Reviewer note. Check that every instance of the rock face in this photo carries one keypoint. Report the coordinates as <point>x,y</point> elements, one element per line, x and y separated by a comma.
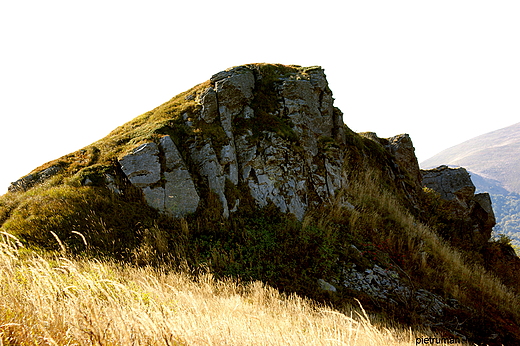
<point>450,183</point>
<point>286,166</point>
<point>387,285</point>
<point>403,152</point>
<point>167,187</point>
<point>401,147</point>
<point>269,135</point>
<point>25,183</point>
<point>274,135</point>
<point>455,186</point>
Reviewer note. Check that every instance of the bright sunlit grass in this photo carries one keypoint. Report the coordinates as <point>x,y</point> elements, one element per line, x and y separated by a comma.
<point>63,301</point>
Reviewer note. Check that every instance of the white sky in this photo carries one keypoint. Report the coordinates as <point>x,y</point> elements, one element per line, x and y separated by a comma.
<point>71,71</point>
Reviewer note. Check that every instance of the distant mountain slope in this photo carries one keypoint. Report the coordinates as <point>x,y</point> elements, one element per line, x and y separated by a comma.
<point>494,155</point>
<point>493,159</point>
<point>489,185</point>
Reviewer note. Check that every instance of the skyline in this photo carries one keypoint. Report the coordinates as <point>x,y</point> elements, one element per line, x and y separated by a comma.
<point>69,73</point>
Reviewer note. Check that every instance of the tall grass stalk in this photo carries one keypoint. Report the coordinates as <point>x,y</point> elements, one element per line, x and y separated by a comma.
<point>60,301</point>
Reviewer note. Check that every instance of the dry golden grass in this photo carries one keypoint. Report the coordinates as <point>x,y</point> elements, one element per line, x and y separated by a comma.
<point>62,301</point>
<point>467,282</point>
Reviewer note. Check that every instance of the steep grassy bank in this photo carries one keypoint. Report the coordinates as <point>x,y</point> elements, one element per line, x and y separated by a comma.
<point>402,240</point>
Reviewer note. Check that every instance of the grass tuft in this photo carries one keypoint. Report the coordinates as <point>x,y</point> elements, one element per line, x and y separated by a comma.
<point>64,301</point>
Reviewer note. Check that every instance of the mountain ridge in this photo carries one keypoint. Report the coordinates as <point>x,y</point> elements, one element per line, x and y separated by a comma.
<point>487,155</point>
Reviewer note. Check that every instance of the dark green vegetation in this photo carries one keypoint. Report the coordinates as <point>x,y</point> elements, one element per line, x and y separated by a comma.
<point>506,205</point>
<point>393,222</point>
<point>507,211</point>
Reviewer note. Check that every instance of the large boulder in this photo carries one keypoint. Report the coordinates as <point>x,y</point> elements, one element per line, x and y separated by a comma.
<point>483,214</point>
<point>180,194</point>
<point>142,165</point>
<point>454,185</point>
<point>208,166</point>
<point>166,184</point>
<point>450,183</point>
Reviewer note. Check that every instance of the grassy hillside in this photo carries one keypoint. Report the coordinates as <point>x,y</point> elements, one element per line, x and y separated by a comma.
<point>391,222</point>
<point>66,301</point>
<point>267,246</point>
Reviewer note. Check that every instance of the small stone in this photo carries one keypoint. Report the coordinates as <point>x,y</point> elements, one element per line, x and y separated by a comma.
<point>111,184</point>
<point>324,285</point>
<point>87,182</point>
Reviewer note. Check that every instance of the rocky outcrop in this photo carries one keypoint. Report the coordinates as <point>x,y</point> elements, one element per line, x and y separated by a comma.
<point>385,287</point>
<point>377,282</point>
<point>273,132</point>
<point>402,148</point>
<point>167,186</point>
<point>451,183</point>
<point>290,170</point>
<point>402,151</point>
<point>270,136</point>
<point>455,186</point>
<point>25,183</point>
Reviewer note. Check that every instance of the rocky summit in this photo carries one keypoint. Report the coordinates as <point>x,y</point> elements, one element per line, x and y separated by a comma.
<point>290,169</point>
<point>253,174</point>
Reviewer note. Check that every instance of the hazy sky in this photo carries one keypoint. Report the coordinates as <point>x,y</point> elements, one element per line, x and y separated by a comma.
<point>71,71</point>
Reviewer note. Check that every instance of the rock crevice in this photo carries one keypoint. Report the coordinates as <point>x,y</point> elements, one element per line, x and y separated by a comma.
<point>291,172</point>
